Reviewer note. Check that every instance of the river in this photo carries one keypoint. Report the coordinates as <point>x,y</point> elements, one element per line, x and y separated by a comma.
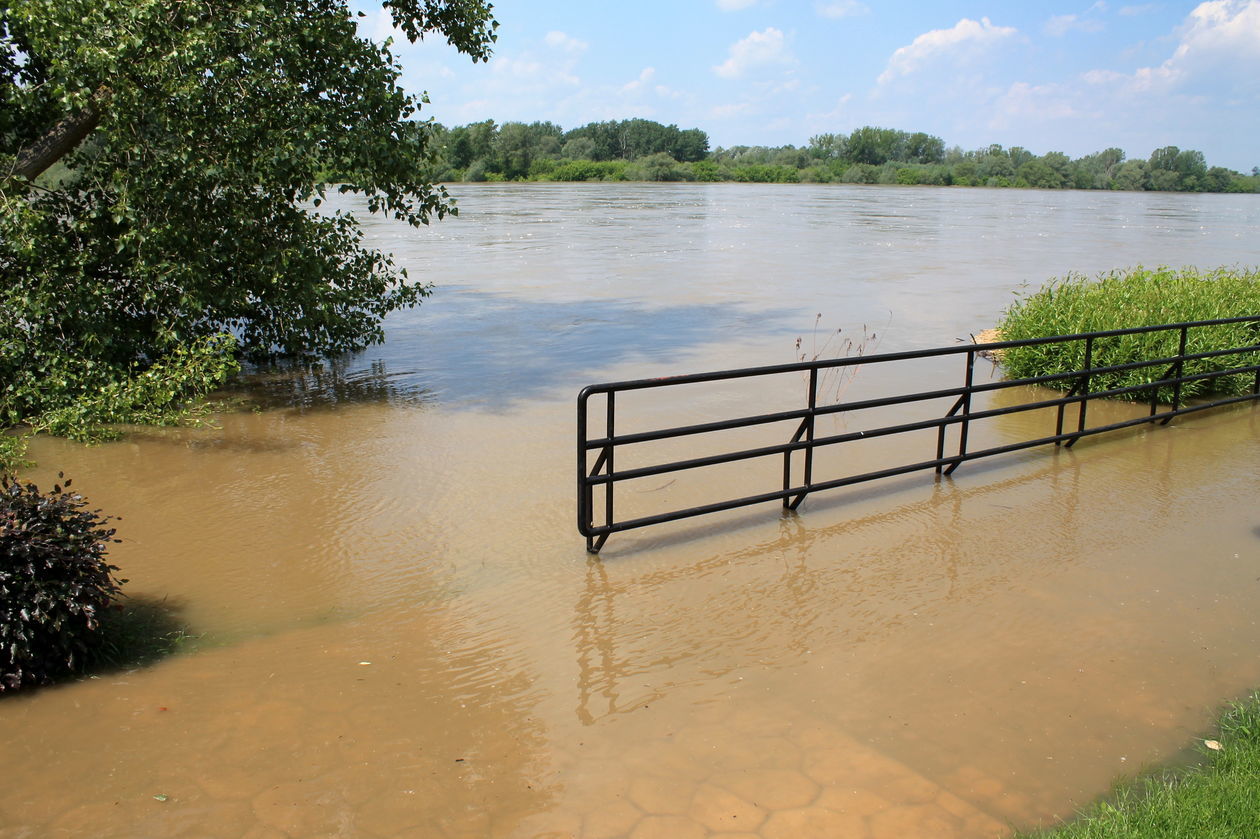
<point>401,634</point>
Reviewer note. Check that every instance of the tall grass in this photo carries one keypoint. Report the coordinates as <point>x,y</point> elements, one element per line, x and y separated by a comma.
<point>1218,799</point>
<point>1130,298</point>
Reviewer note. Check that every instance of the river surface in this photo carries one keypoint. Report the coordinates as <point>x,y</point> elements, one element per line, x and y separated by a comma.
<point>401,634</point>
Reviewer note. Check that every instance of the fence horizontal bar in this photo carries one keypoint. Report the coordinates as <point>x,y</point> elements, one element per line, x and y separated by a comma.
<point>684,430</point>
<point>921,425</point>
<point>821,364</point>
<point>929,395</point>
<point>605,474</point>
<point>778,495</point>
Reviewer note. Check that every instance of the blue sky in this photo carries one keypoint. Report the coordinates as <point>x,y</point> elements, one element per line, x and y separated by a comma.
<point>1049,76</point>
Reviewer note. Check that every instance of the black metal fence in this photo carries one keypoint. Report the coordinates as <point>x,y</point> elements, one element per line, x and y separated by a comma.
<point>597,457</point>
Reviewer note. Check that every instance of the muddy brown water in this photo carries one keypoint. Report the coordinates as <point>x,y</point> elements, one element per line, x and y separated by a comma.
<point>402,635</point>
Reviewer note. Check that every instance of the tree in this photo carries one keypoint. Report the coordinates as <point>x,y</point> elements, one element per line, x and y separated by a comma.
<point>691,146</point>
<point>876,146</point>
<point>827,146</point>
<point>1039,174</point>
<point>924,148</point>
<point>191,142</point>
<point>1132,175</point>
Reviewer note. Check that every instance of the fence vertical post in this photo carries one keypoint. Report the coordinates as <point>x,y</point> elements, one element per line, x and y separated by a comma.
<point>966,411</point>
<point>609,447</point>
<point>1089,364</point>
<point>1181,361</point>
<point>806,429</point>
<point>809,428</point>
<point>583,488</point>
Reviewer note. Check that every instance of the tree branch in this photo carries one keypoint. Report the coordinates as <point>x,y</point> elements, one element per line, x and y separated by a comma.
<point>61,139</point>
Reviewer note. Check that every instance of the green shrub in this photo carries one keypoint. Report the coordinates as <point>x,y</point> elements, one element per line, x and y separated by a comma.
<point>1131,298</point>
<point>589,170</point>
<point>12,451</point>
<point>706,171</point>
<point>54,582</point>
<point>765,173</point>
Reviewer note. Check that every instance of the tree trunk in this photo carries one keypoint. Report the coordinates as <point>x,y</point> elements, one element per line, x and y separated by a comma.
<point>61,139</point>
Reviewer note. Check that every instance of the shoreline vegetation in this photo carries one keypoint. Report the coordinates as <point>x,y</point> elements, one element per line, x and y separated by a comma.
<point>1136,297</point>
<point>644,150</point>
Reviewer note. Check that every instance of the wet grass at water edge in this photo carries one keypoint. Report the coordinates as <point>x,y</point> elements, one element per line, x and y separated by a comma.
<point>1217,799</point>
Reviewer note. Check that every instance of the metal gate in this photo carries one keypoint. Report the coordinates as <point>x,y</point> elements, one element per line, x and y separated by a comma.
<point>597,456</point>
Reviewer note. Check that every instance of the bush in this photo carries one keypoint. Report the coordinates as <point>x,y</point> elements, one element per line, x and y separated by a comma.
<point>12,450</point>
<point>1132,298</point>
<point>54,582</point>
<point>590,170</point>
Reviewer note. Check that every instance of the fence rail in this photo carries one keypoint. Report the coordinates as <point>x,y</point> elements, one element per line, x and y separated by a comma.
<point>601,472</point>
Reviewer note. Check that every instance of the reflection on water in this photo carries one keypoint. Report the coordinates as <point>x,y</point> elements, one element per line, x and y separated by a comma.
<point>329,385</point>
<point>404,637</point>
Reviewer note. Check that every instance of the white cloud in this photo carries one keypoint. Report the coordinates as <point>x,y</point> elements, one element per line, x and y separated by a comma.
<point>840,8</point>
<point>1024,103</point>
<point>1134,11</point>
<point>1219,47</point>
<point>759,49</point>
<point>1222,27</point>
<point>734,5</point>
<point>823,121</point>
<point>561,41</point>
<point>1060,25</point>
<point>727,111</point>
<point>638,84</point>
<point>966,35</point>
<point>528,72</point>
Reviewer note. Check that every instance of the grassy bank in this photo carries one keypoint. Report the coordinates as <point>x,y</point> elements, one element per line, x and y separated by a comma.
<point>1130,298</point>
<point>1218,799</point>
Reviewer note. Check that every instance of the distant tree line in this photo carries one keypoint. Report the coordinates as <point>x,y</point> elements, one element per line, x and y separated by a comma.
<point>644,150</point>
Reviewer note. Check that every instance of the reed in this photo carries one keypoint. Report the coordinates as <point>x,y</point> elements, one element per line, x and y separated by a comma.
<point>1138,297</point>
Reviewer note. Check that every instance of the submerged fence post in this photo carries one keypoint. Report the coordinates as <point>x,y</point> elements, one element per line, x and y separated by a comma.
<point>586,490</point>
<point>966,412</point>
<point>1180,371</point>
<point>809,438</point>
<point>1089,363</point>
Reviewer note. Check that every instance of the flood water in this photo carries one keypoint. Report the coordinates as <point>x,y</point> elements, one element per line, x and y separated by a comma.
<point>401,634</point>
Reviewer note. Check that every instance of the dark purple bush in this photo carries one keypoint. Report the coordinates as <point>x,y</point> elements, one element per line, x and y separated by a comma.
<point>55,583</point>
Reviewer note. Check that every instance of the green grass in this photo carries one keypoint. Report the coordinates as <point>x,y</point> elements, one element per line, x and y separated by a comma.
<point>1130,298</point>
<point>1219,799</point>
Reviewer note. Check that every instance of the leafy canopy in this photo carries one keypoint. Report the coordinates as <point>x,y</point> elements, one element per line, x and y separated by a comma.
<point>200,134</point>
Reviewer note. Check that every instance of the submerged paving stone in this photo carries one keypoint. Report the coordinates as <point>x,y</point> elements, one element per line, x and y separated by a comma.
<point>773,789</point>
<point>662,796</point>
<point>859,802</point>
<point>561,824</point>
<point>908,788</point>
<point>614,819</point>
<point>917,821</point>
<point>718,810</point>
<point>813,823</point>
<point>668,827</point>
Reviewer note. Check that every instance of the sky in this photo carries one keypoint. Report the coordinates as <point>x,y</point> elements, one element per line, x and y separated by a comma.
<point>1048,76</point>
